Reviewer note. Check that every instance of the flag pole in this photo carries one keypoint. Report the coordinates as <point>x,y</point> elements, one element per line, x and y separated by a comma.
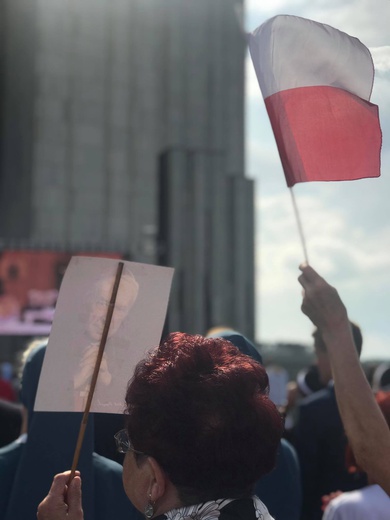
<point>300,228</point>
<point>95,374</point>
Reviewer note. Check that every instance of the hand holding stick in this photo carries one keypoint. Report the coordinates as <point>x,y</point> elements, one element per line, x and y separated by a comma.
<point>365,426</point>
<point>321,302</point>
<point>63,501</point>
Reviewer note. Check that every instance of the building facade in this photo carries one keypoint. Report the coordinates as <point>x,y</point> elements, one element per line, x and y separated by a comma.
<point>107,105</point>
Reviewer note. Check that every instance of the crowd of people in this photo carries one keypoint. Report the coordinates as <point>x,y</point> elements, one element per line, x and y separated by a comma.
<point>200,437</point>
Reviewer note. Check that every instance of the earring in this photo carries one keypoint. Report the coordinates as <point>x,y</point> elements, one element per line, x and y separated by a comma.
<point>149,509</point>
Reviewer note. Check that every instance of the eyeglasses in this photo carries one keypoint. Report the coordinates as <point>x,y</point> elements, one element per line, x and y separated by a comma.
<point>123,443</point>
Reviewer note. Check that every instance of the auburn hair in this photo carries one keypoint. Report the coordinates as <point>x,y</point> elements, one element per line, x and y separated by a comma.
<point>200,407</point>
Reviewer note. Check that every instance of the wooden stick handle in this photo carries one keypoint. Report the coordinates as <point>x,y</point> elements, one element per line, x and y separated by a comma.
<point>95,374</point>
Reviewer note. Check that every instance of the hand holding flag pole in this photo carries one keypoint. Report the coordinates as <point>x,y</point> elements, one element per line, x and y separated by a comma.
<point>102,344</point>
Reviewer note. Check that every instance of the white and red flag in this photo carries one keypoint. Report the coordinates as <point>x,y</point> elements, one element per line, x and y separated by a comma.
<point>316,82</point>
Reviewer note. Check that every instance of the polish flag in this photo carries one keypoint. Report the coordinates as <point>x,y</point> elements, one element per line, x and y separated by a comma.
<point>316,82</point>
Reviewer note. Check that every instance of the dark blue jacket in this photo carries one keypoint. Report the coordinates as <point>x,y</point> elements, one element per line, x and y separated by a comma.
<point>280,490</point>
<point>27,470</point>
<point>321,444</point>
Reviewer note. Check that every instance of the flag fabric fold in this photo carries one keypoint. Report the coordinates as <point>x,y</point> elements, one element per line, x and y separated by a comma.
<point>316,82</point>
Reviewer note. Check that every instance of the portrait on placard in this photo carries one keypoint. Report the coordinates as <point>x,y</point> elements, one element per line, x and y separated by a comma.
<point>136,326</point>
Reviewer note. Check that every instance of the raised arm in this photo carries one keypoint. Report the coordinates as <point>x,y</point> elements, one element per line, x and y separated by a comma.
<point>364,424</point>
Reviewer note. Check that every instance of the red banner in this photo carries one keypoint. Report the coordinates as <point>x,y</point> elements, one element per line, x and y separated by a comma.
<point>29,286</point>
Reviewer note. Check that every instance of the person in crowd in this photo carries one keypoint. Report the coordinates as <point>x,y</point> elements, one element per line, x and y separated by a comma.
<point>370,501</point>
<point>381,377</point>
<point>320,438</point>
<point>10,421</point>
<point>243,344</point>
<point>48,443</point>
<point>307,382</point>
<point>200,431</point>
<point>7,391</point>
<point>364,424</point>
<point>280,489</point>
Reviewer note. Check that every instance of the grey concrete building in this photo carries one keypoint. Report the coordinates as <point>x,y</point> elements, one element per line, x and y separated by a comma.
<point>107,104</point>
<point>206,232</point>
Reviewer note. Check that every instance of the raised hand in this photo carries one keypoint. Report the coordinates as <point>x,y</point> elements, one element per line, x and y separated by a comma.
<point>321,302</point>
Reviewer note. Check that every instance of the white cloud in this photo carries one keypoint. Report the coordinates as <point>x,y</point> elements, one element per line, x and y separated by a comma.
<point>381,58</point>
<point>375,346</point>
<point>258,8</point>
<point>253,91</point>
<point>365,19</point>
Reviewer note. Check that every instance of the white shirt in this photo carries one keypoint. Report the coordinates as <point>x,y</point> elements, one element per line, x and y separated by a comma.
<point>370,502</point>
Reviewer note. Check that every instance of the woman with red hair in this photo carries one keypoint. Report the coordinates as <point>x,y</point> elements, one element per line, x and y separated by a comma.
<point>200,431</point>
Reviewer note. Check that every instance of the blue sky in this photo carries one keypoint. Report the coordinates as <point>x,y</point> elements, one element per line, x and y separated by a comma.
<point>346,224</point>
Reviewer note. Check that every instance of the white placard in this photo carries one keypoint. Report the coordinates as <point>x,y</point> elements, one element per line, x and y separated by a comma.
<point>136,327</point>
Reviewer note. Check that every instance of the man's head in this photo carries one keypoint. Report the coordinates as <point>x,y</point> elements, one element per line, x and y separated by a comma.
<point>323,362</point>
<point>126,296</point>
